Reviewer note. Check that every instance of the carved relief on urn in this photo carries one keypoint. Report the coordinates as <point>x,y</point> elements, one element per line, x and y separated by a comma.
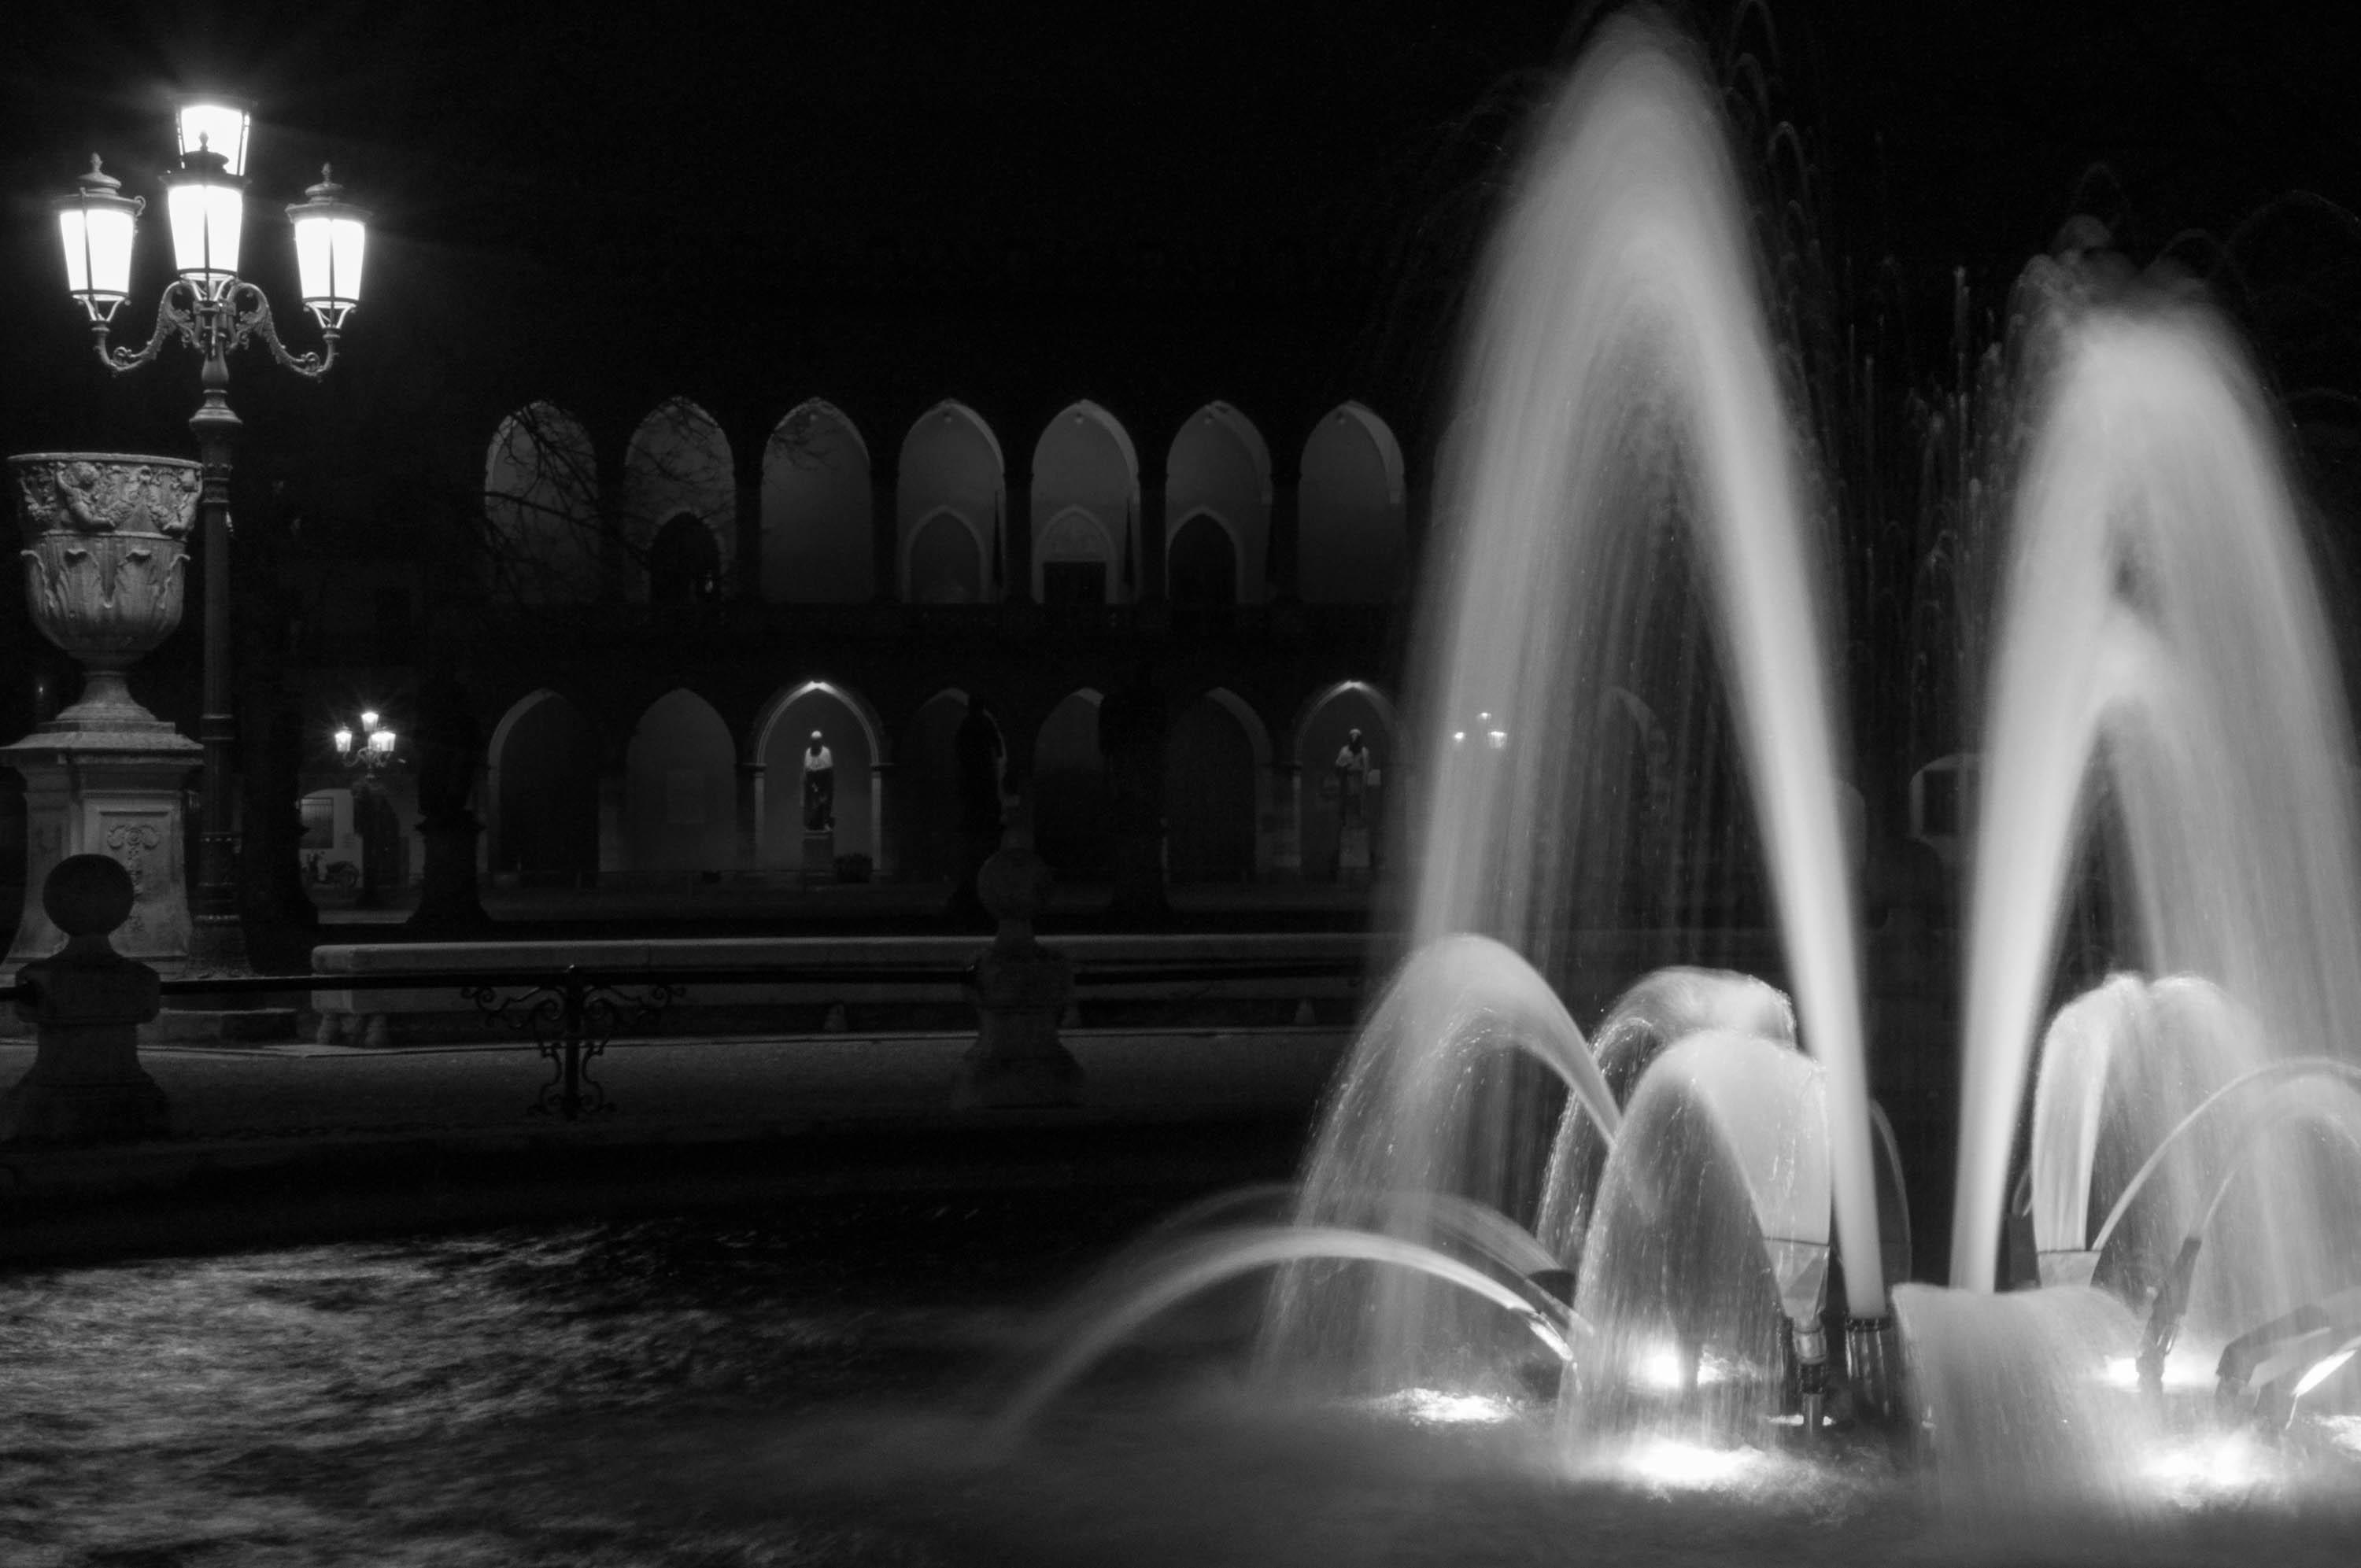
<point>105,535</point>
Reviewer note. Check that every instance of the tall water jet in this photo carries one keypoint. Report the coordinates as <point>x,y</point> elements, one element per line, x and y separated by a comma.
<point>1623,339</point>
<point>2159,630</point>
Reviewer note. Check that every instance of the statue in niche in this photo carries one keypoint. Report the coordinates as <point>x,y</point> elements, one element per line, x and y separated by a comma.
<point>819,786</point>
<point>1353,780</point>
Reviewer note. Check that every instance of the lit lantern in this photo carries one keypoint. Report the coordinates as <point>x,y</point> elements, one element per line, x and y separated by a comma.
<point>207,207</point>
<point>344,742</point>
<point>96,224</point>
<point>331,238</point>
<point>217,123</point>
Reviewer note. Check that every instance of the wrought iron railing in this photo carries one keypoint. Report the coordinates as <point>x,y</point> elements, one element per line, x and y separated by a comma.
<point>575,1011</point>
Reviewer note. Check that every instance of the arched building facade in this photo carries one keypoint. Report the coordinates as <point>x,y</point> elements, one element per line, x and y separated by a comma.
<point>670,629</point>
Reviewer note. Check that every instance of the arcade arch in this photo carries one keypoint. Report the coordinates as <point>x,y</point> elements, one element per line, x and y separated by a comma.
<point>677,463</point>
<point>950,506</point>
<point>1216,760</point>
<point>1321,732</point>
<point>849,728</point>
<point>1352,546</point>
<point>541,506</point>
<point>816,509</point>
<point>929,808</point>
<point>544,763</point>
<point>1085,509</point>
<point>680,788</point>
<point>1217,483</point>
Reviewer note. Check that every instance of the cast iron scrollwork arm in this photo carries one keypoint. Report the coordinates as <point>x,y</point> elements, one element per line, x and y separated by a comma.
<point>250,317</point>
<point>177,311</point>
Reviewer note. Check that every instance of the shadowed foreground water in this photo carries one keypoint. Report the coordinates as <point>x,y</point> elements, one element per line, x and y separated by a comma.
<point>811,1389</point>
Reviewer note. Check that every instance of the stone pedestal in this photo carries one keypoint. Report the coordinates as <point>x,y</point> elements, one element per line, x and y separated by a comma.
<point>819,857</point>
<point>1353,854</point>
<point>1021,990</point>
<point>88,1001</point>
<point>113,792</point>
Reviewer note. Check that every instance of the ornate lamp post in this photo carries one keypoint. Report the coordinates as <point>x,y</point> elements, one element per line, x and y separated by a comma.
<point>373,751</point>
<point>213,311</point>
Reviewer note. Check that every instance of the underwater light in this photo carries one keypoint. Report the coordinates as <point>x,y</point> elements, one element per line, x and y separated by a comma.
<point>2226,1463</point>
<point>1666,1462</point>
<point>1438,1407</point>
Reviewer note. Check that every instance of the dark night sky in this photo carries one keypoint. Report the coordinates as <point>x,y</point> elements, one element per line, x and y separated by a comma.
<point>887,204</point>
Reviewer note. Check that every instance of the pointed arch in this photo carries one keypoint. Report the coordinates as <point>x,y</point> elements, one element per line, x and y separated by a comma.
<point>1217,787</point>
<point>816,509</point>
<point>541,508</point>
<point>1218,468</point>
<point>542,767</point>
<point>1352,543</point>
<point>858,746</point>
<point>1327,716</point>
<point>952,467</point>
<point>677,462</point>
<point>1085,464</point>
<point>680,787</point>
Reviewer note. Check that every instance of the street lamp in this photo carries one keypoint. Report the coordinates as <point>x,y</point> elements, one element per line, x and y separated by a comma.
<point>212,310</point>
<point>374,750</point>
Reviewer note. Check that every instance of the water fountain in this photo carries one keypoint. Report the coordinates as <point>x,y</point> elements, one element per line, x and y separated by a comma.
<point>1683,1183</point>
<point>1642,1295</point>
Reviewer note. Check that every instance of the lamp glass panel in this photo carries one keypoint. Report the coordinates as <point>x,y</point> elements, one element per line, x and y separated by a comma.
<point>328,253</point>
<point>206,222</point>
<point>222,127</point>
<point>97,243</point>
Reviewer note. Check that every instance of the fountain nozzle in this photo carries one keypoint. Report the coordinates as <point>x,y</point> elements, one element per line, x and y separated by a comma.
<point>2164,1318</point>
<point>1873,1366</point>
<point>1811,1373</point>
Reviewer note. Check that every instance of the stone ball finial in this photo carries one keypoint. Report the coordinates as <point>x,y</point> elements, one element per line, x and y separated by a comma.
<point>88,894</point>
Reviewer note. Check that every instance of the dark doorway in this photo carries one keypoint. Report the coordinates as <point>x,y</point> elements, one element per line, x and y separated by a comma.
<point>684,563</point>
<point>1203,568</point>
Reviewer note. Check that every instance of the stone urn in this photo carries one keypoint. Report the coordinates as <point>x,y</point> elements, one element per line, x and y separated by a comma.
<point>105,536</point>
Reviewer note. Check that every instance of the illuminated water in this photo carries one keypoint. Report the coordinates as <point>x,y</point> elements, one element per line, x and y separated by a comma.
<point>2164,689</point>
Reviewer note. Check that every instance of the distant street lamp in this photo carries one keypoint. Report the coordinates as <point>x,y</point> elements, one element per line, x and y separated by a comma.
<point>374,750</point>
<point>213,311</point>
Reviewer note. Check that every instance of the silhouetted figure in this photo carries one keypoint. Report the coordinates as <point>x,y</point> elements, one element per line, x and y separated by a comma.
<point>819,786</point>
<point>449,750</point>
